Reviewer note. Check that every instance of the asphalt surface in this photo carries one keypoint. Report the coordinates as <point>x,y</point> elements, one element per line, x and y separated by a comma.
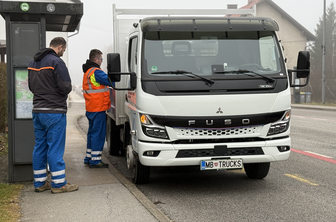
<point>103,195</point>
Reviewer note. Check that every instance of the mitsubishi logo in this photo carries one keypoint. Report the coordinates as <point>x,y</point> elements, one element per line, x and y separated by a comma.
<point>219,110</point>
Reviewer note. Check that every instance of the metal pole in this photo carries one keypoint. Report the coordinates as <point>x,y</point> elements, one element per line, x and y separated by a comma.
<point>115,29</point>
<point>323,52</point>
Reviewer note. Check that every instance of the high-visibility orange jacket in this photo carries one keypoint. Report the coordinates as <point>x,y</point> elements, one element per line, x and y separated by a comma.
<point>97,98</point>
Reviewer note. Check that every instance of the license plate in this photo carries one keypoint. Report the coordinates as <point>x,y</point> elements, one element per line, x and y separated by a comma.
<point>221,164</point>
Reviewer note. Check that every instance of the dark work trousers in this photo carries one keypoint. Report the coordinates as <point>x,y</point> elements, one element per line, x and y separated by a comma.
<point>95,137</point>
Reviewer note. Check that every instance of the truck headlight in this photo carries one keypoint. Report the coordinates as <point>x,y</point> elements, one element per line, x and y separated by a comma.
<point>150,129</point>
<point>281,126</point>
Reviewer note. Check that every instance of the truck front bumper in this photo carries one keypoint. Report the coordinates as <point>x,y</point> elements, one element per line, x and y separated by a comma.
<point>168,152</point>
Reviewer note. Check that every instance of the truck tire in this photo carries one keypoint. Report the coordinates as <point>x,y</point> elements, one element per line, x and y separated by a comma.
<point>256,170</point>
<point>140,173</point>
<point>114,145</point>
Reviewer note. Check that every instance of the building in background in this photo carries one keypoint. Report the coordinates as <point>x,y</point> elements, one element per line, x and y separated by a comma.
<point>293,36</point>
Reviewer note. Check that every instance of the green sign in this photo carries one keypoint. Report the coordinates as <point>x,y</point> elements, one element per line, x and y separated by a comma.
<point>24,7</point>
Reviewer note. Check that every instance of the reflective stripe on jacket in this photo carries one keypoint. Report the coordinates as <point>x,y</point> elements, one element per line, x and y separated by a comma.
<point>97,98</point>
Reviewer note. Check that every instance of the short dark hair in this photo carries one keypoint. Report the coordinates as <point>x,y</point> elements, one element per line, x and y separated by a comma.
<point>57,41</point>
<point>94,53</point>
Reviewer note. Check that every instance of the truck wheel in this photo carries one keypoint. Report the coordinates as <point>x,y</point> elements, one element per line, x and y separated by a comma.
<point>113,138</point>
<point>129,157</point>
<point>140,173</point>
<point>256,170</point>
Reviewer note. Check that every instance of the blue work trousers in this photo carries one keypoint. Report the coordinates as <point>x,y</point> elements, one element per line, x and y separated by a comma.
<point>95,137</point>
<point>50,129</point>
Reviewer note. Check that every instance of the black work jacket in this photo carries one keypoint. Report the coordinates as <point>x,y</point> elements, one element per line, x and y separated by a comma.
<point>49,81</point>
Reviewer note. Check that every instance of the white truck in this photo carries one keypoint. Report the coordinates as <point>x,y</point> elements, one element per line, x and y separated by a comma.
<point>207,91</point>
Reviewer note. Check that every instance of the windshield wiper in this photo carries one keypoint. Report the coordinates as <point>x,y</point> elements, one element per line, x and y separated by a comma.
<point>182,72</point>
<point>245,72</point>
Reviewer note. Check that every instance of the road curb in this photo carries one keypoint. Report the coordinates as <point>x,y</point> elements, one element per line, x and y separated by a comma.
<point>314,107</point>
<point>149,205</point>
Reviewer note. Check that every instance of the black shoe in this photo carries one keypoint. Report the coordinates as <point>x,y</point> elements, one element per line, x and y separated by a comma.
<point>99,165</point>
<point>86,163</point>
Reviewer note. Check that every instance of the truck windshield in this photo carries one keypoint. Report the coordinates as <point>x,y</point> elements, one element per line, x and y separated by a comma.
<point>214,55</point>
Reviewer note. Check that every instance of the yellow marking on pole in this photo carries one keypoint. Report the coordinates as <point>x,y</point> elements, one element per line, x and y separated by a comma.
<point>301,179</point>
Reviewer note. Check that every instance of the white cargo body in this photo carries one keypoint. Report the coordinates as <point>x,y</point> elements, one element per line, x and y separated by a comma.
<point>205,90</point>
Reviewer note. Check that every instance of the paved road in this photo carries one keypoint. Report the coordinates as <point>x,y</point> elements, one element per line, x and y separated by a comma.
<point>300,189</point>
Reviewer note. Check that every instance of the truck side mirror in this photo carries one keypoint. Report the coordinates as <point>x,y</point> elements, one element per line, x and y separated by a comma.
<point>303,69</point>
<point>303,63</point>
<point>114,74</point>
<point>113,66</point>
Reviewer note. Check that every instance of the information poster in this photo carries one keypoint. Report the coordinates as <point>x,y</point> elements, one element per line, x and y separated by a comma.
<point>23,96</point>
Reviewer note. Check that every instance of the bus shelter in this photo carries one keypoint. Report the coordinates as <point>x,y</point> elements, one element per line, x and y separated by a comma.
<point>26,26</point>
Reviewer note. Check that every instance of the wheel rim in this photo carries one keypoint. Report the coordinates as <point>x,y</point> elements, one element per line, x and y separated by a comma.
<point>129,157</point>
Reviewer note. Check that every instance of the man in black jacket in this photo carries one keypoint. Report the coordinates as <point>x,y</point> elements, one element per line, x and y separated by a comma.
<point>49,81</point>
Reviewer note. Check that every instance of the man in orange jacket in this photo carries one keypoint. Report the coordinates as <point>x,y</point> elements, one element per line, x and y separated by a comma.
<point>97,101</point>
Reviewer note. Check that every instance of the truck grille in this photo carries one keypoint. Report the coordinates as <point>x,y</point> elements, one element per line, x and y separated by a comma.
<point>211,152</point>
<point>219,133</point>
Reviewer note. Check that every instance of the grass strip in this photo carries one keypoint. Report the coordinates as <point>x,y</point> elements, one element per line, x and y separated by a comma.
<point>9,202</point>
